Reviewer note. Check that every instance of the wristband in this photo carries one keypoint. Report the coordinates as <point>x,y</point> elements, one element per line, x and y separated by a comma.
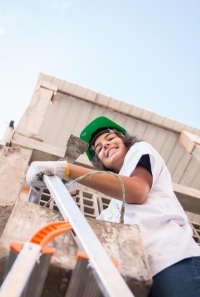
<point>67,170</point>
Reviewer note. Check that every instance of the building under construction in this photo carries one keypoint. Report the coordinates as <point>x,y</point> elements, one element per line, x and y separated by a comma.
<point>57,110</point>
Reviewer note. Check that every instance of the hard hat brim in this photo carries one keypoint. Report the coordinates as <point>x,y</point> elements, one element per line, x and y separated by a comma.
<point>92,128</point>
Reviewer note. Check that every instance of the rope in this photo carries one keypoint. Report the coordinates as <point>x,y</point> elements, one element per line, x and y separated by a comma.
<point>102,172</point>
<point>121,183</point>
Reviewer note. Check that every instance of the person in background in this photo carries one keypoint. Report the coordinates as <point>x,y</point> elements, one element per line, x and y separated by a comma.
<point>150,202</point>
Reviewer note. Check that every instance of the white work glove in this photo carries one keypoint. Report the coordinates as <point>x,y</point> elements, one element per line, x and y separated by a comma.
<point>37,169</point>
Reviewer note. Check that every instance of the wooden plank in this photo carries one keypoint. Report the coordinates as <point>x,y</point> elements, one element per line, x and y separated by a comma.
<point>27,218</point>
<point>188,141</point>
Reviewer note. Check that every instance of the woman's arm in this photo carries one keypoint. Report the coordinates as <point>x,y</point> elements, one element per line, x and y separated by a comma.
<point>137,186</point>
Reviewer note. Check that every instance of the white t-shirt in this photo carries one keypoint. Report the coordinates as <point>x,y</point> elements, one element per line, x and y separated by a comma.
<point>164,226</point>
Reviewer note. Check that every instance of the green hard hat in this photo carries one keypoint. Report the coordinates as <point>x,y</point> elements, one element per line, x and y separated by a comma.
<point>96,126</point>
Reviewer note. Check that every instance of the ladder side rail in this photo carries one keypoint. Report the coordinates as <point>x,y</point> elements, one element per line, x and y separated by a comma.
<point>34,197</point>
<point>19,274</point>
<point>38,277</point>
<point>108,277</point>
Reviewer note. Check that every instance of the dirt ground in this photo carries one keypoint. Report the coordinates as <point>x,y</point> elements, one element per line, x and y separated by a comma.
<point>5,211</point>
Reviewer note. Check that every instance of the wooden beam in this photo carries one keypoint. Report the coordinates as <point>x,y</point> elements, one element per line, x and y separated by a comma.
<point>191,143</point>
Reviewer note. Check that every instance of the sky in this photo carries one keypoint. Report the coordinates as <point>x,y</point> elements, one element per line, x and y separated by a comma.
<point>146,53</point>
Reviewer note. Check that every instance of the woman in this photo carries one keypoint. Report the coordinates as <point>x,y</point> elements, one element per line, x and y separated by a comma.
<point>173,255</point>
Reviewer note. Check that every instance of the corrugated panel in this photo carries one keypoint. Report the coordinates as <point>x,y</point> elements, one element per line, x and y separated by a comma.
<point>154,135</point>
<point>181,165</point>
<point>168,145</point>
<point>178,162</point>
<point>138,129</point>
<point>65,116</point>
<point>133,111</point>
<point>191,175</point>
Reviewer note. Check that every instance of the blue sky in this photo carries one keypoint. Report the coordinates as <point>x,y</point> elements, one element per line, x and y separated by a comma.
<point>146,53</point>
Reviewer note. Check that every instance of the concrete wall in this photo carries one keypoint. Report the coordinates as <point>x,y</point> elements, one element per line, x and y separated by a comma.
<point>13,165</point>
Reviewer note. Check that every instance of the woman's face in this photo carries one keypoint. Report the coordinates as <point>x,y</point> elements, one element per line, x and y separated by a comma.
<point>111,151</point>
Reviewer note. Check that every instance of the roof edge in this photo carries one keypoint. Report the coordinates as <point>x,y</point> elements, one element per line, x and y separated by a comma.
<point>116,105</point>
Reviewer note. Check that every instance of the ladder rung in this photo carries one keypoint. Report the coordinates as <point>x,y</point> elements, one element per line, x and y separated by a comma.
<point>82,282</point>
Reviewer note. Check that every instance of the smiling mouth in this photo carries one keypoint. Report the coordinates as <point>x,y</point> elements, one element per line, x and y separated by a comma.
<point>111,151</point>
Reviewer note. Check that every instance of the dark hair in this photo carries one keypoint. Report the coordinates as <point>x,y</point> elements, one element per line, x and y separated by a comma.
<point>128,141</point>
